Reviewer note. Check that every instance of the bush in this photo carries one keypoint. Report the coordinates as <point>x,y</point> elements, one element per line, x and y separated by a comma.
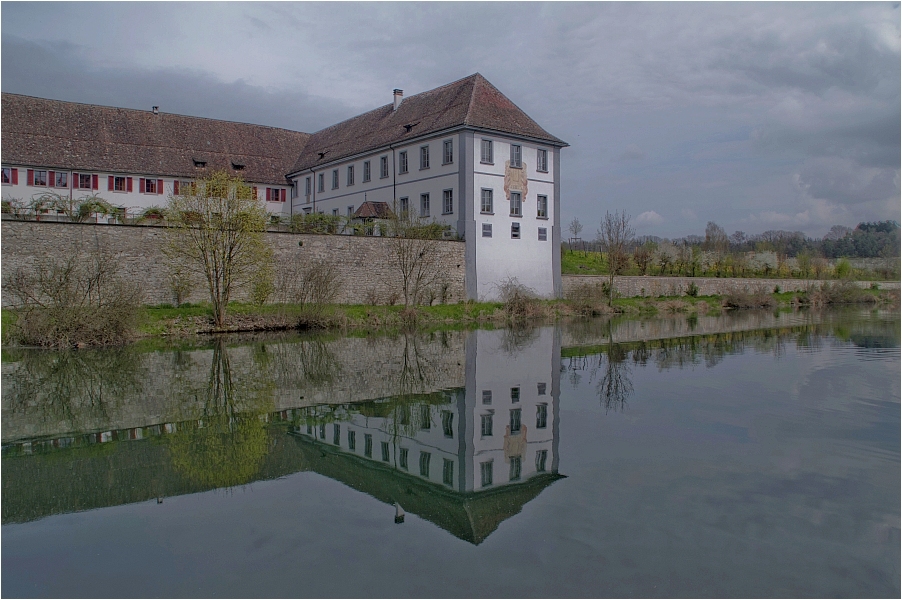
<point>692,289</point>
<point>588,299</point>
<point>519,302</point>
<point>748,300</point>
<point>837,293</point>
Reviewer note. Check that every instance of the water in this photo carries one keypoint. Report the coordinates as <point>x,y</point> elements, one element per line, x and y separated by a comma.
<point>754,454</point>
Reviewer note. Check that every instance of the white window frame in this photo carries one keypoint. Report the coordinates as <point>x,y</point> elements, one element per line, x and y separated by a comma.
<point>56,177</point>
<point>334,179</point>
<point>424,157</point>
<point>383,167</point>
<point>487,152</point>
<point>424,205</point>
<point>486,475</point>
<point>516,202</point>
<point>308,187</point>
<point>487,230</point>
<point>543,234</point>
<point>321,182</point>
<point>7,175</point>
<point>447,202</point>
<point>487,194</point>
<point>515,231</point>
<point>350,175</point>
<point>402,162</point>
<point>516,156</point>
<point>116,181</point>
<point>366,171</point>
<point>448,152</point>
<point>403,206</point>
<point>542,160</point>
<point>542,207</point>
<point>148,184</point>
<point>34,179</point>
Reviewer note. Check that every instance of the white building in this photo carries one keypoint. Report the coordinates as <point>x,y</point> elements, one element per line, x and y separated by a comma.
<point>462,154</point>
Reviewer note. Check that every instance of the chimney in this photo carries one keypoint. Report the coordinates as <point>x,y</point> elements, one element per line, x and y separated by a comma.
<point>156,110</point>
<point>399,95</point>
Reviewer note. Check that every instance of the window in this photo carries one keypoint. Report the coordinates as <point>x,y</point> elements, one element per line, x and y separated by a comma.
<point>425,459</point>
<point>118,184</point>
<point>309,429</point>
<point>385,453</point>
<point>334,212</point>
<point>383,167</point>
<point>487,154</point>
<point>542,160</point>
<point>515,420</point>
<point>515,231</point>
<point>275,195</point>
<point>425,418</point>
<point>485,470</point>
<point>7,175</point>
<point>150,186</point>
<point>516,156</point>
<point>541,416</point>
<point>448,423</point>
<point>541,388</point>
<point>368,445</point>
<point>448,472</point>
<point>543,234</point>
<point>542,207</point>
<point>486,396</point>
<point>334,179</point>
<point>448,152</point>
<point>336,434</point>
<point>486,230</point>
<point>40,178</point>
<point>424,205</point>
<point>403,206</point>
<point>541,458</point>
<point>487,425</point>
<point>321,183</point>
<point>447,202</point>
<point>307,211</point>
<point>350,174</point>
<point>424,157</point>
<point>515,394</point>
<point>516,468</point>
<point>487,202</point>
<point>516,204</point>
<point>350,211</point>
<point>402,458</point>
<point>322,431</point>
<point>366,171</point>
<point>402,162</point>
<point>84,181</point>
<point>308,185</point>
<point>352,440</point>
<point>61,180</point>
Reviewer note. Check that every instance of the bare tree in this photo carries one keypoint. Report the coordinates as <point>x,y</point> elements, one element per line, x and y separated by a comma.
<point>575,229</point>
<point>614,236</point>
<point>416,257</point>
<point>216,232</point>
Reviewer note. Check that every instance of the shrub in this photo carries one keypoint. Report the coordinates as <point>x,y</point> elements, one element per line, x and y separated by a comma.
<point>519,302</point>
<point>838,293</point>
<point>692,289</point>
<point>588,299</point>
<point>748,300</point>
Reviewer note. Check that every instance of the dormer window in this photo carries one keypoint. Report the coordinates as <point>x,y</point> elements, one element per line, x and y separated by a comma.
<point>237,166</point>
<point>322,155</point>
<point>200,164</point>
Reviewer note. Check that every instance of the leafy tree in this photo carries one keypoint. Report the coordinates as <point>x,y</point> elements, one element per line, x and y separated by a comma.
<point>217,233</point>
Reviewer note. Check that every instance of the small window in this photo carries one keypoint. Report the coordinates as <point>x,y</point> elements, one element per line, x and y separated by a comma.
<point>485,470</point>
<point>321,184</point>
<point>487,202</point>
<point>515,394</point>
<point>447,471</point>
<point>486,396</point>
<point>403,207</point>
<point>350,211</point>
<point>322,431</point>
<point>425,460</point>
<point>402,458</point>
<point>309,429</point>
<point>84,181</point>
<point>541,459</point>
<point>516,204</point>
<point>515,420</point>
<point>448,423</point>
<point>402,162</point>
<point>516,468</point>
<point>7,175</point>
<point>543,234</point>
<point>515,231</point>
<point>425,418</point>
<point>334,212</point>
<point>336,434</point>
<point>119,184</point>
<point>424,157</point>
<point>516,156</point>
<point>307,186</point>
<point>368,445</point>
<point>307,211</point>
<point>447,202</point>
<point>200,164</point>
<point>486,230</point>
<point>487,154</point>
<point>486,425</point>
<point>542,160</point>
<point>366,171</point>
<point>352,440</point>
<point>40,178</point>
<point>424,205</point>
<point>150,186</point>
<point>541,416</point>
<point>541,388</point>
<point>350,174</point>
<point>383,167</point>
<point>386,455</point>
<point>542,207</point>
<point>448,152</point>
<point>61,180</point>
<point>334,179</point>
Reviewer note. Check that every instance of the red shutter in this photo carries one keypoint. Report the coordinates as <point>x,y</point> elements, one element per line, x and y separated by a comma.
<point>15,176</point>
<point>255,192</point>
<point>159,186</point>
<point>30,176</point>
<point>94,182</point>
<point>51,181</point>
<point>175,187</point>
<point>109,183</point>
<point>141,187</point>
<point>269,194</point>
<point>128,184</point>
<point>283,195</point>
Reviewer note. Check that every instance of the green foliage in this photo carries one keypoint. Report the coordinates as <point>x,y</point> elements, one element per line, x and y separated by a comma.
<point>316,223</point>
<point>692,289</point>
<point>843,268</point>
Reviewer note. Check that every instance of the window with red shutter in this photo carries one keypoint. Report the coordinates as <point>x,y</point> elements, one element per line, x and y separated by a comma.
<point>269,194</point>
<point>30,177</point>
<point>175,187</point>
<point>51,178</point>
<point>15,176</point>
<point>159,186</point>
<point>141,187</point>
<point>94,182</point>
<point>109,185</point>
<point>128,184</point>
<point>282,193</point>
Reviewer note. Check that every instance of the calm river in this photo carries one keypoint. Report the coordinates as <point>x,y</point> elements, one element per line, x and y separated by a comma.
<point>753,454</point>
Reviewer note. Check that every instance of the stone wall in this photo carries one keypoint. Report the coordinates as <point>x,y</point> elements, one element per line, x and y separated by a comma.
<point>363,263</point>
<point>634,286</point>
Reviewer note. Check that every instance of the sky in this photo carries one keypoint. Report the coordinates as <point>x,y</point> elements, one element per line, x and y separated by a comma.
<point>756,116</point>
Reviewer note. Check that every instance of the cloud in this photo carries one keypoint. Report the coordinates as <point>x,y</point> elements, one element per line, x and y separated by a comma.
<point>648,219</point>
<point>632,152</point>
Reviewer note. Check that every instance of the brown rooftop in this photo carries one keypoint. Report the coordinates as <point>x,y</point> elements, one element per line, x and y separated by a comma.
<point>471,101</point>
<point>68,135</point>
<point>373,210</point>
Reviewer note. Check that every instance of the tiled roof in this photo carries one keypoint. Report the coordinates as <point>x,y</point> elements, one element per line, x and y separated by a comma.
<point>373,210</point>
<point>67,135</point>
<point>471,101</point>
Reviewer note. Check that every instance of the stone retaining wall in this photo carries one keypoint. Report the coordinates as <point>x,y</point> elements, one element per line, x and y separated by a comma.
<point>363,263</point>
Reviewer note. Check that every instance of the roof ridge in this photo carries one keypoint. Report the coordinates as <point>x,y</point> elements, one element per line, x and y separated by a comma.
<point>472,96</point>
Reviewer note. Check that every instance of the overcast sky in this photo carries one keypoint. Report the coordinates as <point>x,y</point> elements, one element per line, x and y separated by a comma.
<point>757,116</point>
